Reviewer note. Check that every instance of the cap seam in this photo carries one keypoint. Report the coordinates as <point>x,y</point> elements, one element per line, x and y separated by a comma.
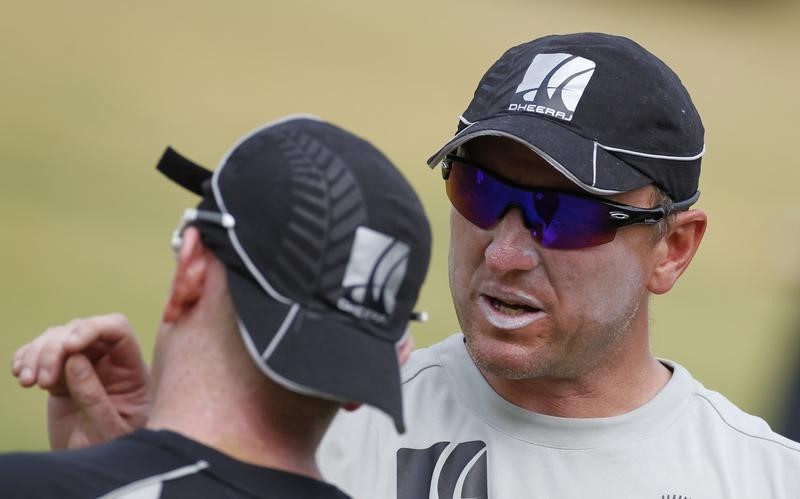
<point>274,376</point>
<point>552,162</point>
<point>632,152</point>
<point>287,321</point>
<point>251,267</point>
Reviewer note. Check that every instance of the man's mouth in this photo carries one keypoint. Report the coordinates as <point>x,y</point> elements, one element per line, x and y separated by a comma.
<point>510,308</point>
<point>507,314</point>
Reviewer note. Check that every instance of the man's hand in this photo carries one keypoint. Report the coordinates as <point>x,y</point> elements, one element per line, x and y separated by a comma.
<point>96,376</point>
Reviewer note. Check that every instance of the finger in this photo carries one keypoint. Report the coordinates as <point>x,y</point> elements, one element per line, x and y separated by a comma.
<point>42,360</point>
<point>89,395</point>
<point>31,367</point>
<point>93,337</point>
<point>100,334</point>
<point>16,360</point>
<point>122,346</point>
<point>27,361</point>
<point>52,354</point>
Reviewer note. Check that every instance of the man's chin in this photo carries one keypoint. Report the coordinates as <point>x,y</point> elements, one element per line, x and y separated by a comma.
<point>505,361</point>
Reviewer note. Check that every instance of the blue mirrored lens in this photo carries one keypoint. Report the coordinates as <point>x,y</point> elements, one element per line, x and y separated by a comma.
<point>479,197</point>
<point>557,219</point>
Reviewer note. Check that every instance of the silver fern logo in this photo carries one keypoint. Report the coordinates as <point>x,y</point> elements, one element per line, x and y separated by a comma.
<point>553,85</point>
<point>373,275</point>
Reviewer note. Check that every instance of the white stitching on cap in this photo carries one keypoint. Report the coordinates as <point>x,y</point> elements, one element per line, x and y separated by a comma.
<point>262,281</point>
<point>594,164</point>
<point>261,361</point>
<point>654,156</point>
<point>281,380</point>
<point>279,121</point>
<point>287,321</point>
<point>464,120</point>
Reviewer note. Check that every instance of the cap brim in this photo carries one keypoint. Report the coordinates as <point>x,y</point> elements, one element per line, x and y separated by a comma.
<point>581,160</point>
<point>317,354</point>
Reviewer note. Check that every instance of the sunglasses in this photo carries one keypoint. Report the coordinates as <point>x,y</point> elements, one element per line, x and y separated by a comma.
<point>556,219</point>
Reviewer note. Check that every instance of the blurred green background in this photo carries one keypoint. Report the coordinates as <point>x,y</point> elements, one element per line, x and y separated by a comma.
<point>92,91</point>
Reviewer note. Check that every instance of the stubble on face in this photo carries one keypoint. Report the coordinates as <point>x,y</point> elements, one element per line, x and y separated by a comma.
<point>586,323</point>
<point>592,298</point>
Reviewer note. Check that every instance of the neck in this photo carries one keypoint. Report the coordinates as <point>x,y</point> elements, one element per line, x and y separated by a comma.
<point>232,406</point>
<point>240,439</point>
<point>585,397</point>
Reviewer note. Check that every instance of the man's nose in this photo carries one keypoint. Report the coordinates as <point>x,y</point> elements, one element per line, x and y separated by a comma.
<point>512,246</point>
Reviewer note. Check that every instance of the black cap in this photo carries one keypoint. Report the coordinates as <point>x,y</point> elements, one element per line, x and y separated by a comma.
<point>326,247</point>
<point>602,110</point>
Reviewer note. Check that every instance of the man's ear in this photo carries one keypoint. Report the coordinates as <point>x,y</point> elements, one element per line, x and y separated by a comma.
<point>190,275</point>
<point>677,249</point>
<point>351,406</point>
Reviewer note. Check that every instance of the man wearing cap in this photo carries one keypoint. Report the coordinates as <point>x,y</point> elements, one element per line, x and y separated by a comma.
<point>294,285</point>
<point>571,176</point>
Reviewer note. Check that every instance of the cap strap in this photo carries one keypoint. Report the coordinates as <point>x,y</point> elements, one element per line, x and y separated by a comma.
<point>183,171</point>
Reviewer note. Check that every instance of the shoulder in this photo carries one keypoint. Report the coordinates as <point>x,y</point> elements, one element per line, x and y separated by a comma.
<point>434,361</point>
<point>23,469</point>
<point>62,474</point>
<point>149,464</point>
<point>424,362</point>
<point>739,422</point>
<point>359,442</point>
<point>425,367</point>
<point>92,471</point>
<point>721,418</point>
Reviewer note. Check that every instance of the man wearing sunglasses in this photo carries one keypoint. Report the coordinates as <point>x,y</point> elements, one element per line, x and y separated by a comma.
<point>572,175</point>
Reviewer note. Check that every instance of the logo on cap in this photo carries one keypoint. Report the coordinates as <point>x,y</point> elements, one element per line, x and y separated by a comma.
<point>373,275</point>
<point>553,85</point>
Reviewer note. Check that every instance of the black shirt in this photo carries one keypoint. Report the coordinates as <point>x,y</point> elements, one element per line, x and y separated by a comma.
<point>150,465</point>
